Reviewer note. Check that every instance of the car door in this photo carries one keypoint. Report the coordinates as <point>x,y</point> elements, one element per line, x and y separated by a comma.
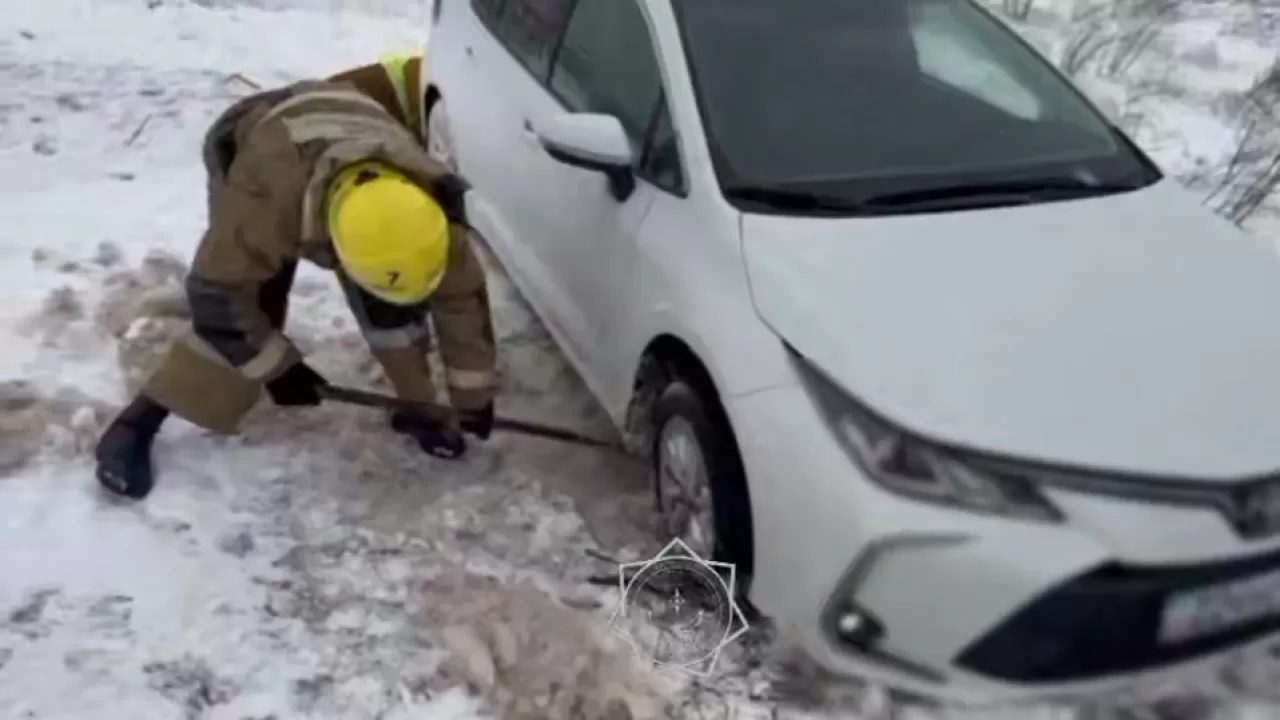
<point>507,64</point>
<point>464,55</point>
<point>606,63</point>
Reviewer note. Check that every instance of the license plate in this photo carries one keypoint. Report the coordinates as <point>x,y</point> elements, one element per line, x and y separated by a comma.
<point>1203,611</point>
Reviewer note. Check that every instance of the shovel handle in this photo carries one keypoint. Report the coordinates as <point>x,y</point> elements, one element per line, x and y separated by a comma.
<point>353,396</point>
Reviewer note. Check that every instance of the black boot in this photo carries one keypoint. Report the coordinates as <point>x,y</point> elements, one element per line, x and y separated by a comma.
<point>124,451</point>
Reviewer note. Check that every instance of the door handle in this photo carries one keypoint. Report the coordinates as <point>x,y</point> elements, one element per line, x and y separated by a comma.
<point>530,135</point>
<point>471,53</point>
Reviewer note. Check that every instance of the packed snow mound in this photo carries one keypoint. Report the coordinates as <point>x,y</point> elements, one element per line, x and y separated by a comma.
<point>35,425</point>
<point>142,308</point>
<point>532,657</point>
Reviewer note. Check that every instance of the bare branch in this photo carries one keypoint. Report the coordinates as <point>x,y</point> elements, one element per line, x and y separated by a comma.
<point>244,79</point>
<point>1114,35</point>
<point>1017,9</point>
<point>138,131</point>
<point>1251,175</point>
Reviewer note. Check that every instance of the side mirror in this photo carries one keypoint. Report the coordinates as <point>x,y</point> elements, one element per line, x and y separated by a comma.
<point>592,141</point>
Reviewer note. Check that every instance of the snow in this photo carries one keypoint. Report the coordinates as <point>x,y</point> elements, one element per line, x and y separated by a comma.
<point>281,573</point>
<point>309,567</point>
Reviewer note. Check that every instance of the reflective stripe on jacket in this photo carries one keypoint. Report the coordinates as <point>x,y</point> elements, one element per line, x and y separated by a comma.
<point>396,83</point>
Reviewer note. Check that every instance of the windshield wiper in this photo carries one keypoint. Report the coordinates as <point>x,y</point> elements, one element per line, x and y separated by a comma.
<point>938,197</point>
<point>1007,192</point>
<point>783,198</point>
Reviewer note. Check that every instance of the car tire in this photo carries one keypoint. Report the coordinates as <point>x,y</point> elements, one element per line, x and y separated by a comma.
<point>689,426</point>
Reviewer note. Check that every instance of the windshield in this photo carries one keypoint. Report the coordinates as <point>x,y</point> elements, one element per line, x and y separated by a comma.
<point>867,97</point>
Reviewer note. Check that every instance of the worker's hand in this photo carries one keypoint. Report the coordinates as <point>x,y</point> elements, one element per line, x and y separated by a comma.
<point>436,437</point>
<point>478,422</point>
<point>451,193</point>
<point>299,385</point>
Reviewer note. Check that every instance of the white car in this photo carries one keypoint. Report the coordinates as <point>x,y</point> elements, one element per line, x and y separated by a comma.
<point>982,404</point>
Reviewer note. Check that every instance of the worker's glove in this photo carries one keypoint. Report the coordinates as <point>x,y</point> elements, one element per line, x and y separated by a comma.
<point>435,437</point>
<point>299,385</point>
<point>451,193</point>
<point>478,422</point>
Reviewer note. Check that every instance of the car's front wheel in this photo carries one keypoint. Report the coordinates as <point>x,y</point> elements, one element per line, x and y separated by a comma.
<point>700,486</point>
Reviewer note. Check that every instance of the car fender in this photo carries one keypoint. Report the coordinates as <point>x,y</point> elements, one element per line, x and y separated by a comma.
<point>690,284</point>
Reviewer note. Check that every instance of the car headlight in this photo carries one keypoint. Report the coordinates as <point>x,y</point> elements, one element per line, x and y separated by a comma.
<point>915,468</point>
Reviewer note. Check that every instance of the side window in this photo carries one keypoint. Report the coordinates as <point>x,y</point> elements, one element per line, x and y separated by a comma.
<point>607,64</point>
<point>660,163</point>
<point>488,10</point>
<point>530,29</point>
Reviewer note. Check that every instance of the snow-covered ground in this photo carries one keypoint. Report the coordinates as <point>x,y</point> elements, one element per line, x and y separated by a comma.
<point>285,572</point>
<point>309,567</point>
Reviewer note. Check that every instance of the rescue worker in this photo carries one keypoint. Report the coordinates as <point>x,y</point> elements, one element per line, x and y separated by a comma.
<point>321,171</point>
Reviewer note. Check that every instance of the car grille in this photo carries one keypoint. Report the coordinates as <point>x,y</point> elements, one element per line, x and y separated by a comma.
<point>1250,505</point>
<point>1106,622</point>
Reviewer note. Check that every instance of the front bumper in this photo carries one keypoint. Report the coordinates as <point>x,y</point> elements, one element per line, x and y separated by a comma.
<point>975,608</point>
<point>1106,622</point>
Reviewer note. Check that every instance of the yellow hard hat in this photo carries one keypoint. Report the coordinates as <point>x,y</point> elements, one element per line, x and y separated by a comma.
<point>390,235</point>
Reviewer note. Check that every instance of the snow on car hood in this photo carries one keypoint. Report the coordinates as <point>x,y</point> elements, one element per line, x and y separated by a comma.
<point>1133,332</point>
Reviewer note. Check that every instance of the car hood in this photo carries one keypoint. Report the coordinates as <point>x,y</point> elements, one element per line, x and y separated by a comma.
<point>1136,332</point>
